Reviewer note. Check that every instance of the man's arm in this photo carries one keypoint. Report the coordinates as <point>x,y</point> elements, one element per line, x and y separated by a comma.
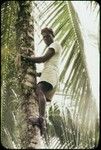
<point>41,59</point>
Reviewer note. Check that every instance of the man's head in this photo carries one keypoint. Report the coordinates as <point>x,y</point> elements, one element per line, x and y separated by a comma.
<point>48,35</point>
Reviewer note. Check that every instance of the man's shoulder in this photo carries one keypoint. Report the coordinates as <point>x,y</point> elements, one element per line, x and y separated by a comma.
<point>56,46</point>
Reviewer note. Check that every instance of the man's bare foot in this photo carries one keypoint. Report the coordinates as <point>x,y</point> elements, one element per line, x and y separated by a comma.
<point>40,122</point>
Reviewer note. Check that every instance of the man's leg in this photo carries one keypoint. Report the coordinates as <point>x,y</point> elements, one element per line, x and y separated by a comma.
<point>40,92</point>
<point>41,89</point>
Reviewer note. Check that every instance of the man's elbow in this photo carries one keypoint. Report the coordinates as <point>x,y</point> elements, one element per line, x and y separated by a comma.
<point>43,59</point>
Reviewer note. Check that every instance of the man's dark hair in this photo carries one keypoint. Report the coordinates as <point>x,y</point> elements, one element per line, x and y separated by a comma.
<point>48,30</point>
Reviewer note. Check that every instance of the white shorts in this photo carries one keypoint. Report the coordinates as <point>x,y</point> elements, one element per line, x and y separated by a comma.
<point>50,75</point>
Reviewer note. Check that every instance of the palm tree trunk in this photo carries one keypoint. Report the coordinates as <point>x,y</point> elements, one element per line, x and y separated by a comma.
<point>30,136</point>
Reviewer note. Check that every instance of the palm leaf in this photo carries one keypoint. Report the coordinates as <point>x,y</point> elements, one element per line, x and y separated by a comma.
<point>65,20</point>
<point>74,72</point>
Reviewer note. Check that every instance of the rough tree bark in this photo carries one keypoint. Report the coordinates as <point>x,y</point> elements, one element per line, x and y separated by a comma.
<point>30,137</point>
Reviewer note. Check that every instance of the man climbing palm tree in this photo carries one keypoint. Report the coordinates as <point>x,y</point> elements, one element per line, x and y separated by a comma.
<point>49,78</point>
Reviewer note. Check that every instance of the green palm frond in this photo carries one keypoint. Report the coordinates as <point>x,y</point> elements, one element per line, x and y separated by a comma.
<point>8,100</point>
<point>74,72</point>
<point>8,18</point>
<point>62,17</point>
<point>68,134</point>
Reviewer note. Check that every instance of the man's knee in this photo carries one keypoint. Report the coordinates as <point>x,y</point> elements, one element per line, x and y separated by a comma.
<point>40,94</point>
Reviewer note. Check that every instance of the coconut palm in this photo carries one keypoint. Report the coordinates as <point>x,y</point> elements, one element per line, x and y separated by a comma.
<point>30,136</point>
<point>62,17</point>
